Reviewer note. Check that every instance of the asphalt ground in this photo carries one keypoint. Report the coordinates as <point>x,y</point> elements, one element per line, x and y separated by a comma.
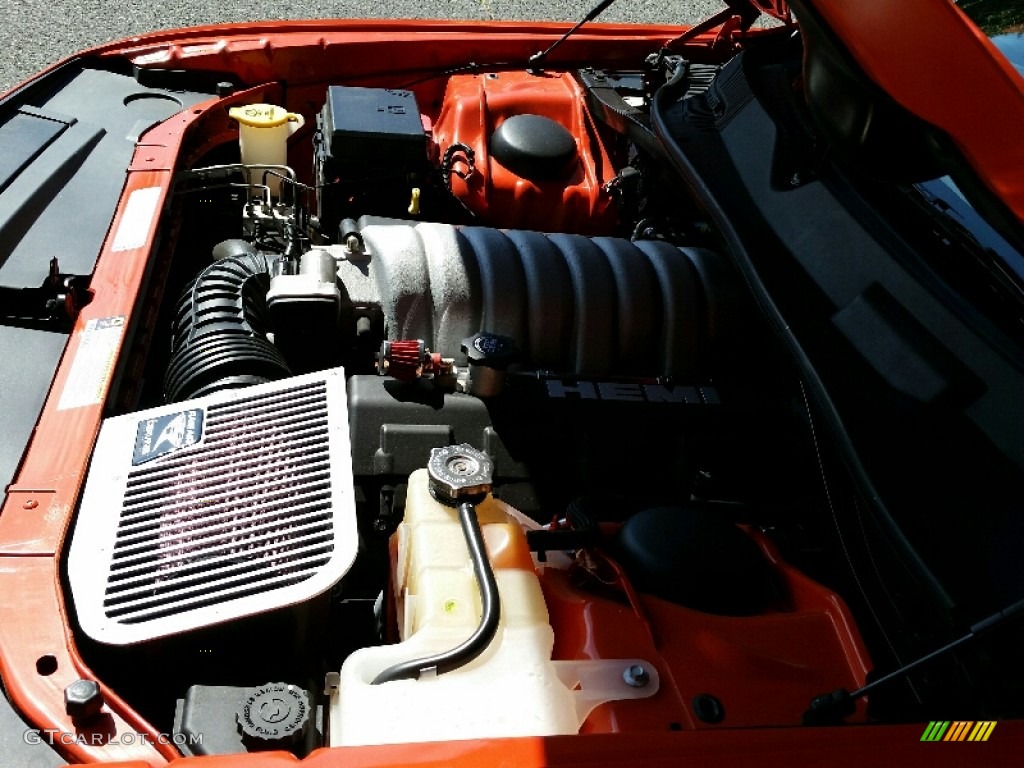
<point>35,33</point>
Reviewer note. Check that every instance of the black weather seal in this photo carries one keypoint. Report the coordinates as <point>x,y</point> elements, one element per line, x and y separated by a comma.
<point>199,80</point>
<point>475,644</point>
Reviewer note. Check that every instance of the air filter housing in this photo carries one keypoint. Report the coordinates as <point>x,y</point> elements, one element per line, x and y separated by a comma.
<point>214,509</point>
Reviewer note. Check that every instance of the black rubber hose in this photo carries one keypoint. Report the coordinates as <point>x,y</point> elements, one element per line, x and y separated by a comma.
<point>462,654</point>
<point>219,336</point>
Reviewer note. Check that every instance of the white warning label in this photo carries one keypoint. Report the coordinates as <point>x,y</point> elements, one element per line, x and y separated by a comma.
<point>93,363</point>
<point>133,231</point>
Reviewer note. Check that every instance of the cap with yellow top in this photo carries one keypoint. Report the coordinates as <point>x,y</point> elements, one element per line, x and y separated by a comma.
<point>263,131</point>
<point>263,115</point>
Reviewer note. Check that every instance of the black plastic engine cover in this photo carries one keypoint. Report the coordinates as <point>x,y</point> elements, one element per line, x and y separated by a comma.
<point>695,558</point>
<point>533,146</point>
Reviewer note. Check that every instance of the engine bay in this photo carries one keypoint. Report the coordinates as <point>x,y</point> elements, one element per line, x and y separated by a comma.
<point>502,276</point>
<point>449,408</point>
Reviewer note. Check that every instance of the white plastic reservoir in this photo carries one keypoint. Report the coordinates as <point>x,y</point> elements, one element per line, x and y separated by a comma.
<point>512,689</point>
<point>263,131</point>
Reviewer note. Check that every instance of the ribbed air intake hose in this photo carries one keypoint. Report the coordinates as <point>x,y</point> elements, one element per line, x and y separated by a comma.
<point>218,337</point>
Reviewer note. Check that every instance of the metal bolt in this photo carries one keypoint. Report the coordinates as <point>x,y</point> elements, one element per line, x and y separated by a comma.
<point>636,676</point>
<point>83,700</point>
<point>30,504</point>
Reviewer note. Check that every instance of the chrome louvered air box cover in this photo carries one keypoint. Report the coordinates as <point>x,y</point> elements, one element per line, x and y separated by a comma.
<point>215,508</point>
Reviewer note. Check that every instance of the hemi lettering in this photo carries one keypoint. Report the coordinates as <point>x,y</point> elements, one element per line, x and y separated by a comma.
<point>584,389</point>
<point>633,393</point>
<point>659,394</point>
<point>611,391</point>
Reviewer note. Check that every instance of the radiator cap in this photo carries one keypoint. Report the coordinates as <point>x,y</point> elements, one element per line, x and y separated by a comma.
<point>459,473</point>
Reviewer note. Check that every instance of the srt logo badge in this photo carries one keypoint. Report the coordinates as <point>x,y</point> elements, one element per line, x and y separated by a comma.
<point>161,435</point>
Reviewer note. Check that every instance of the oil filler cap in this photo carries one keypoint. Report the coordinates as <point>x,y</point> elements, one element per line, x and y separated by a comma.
<point>489,356</point>
<point>274,716</point>
<point>459,473</point>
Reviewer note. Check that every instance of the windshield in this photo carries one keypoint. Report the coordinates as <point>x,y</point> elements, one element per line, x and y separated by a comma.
<point>1011,45</point>
<point>947,199</point>
<point>1003,22</point>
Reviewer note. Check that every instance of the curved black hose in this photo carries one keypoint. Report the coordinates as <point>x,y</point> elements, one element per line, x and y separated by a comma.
<point>462,654</point>
<point>447,168</point>
<point>218,338</point>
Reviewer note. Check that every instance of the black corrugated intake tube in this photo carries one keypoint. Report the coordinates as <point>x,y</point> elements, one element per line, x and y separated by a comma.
<point>219,334</point>
<point>476,643</point>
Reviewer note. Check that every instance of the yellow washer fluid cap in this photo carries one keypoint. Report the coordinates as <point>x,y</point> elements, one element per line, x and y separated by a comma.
<point>263,115</point>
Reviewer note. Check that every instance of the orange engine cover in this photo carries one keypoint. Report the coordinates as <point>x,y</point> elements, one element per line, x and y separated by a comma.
<point>573,199</point>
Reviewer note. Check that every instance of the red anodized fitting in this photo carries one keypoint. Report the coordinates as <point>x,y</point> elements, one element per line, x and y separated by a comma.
<point>407,360</point>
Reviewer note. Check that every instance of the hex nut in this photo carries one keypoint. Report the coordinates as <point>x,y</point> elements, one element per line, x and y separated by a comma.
<point>636,676</point>
<point>83,700</point>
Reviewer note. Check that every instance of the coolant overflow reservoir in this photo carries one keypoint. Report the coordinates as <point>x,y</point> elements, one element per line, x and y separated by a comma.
<point>263,131</point>
<point>513,688</point>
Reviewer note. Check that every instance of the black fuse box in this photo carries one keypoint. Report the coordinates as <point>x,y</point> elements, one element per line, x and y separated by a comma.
<point>374,128</point>
<point>371,152</point>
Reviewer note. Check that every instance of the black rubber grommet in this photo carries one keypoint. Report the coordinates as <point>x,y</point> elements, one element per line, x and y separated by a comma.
<point>708,708</point>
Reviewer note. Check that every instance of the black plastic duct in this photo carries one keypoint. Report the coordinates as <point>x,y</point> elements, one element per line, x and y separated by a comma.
<point>218,339</point>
